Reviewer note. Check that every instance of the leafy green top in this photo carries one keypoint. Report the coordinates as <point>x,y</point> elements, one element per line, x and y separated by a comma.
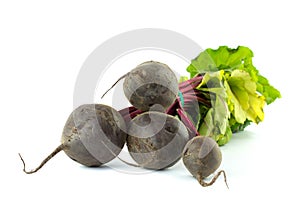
<point>238,92</point>
<point>228,59</point>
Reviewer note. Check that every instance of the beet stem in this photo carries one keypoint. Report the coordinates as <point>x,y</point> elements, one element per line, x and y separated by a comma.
<point>213,180</point>
<point>195,97</point>
<point>130,114</point>
<point>127,110</point>
<point>57,150</point>
<point>187,122</point>
<point>191,81</point>
<point>189,87</point>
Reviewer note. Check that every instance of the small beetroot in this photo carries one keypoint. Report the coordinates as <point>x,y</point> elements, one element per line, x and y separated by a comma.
<point>202,157</point>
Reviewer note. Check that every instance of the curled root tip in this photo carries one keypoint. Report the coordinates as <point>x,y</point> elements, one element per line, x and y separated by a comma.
<point>57,150</point>
<point>24,165</point>
<point>225,178</point>
<point>213,180</point>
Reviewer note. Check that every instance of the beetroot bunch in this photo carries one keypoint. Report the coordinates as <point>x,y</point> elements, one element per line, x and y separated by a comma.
<point>156,129</point>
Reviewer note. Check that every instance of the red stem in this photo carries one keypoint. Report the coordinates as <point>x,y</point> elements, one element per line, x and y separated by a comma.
<point>190,81</point>
<point>187,122</point>
<point>189,98</point>
<point>127,110</point>
<point>171,110</point>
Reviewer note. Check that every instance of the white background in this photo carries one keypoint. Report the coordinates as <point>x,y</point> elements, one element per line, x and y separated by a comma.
<point>42,48</point>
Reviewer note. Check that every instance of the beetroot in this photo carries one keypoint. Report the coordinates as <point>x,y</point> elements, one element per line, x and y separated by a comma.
<point>93,135</point>
<point>151,83</point>
<point>202,157</point>
<point>156,140</point>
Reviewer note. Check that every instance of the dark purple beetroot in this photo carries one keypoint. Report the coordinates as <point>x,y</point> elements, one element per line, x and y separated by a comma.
<point>156,140</point>
<point>202,157</point>
<point>151,83</point>
<point>93,135</point>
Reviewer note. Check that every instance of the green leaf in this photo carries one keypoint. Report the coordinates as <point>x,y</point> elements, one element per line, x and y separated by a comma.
<point>215,122</point>
<point>228,59</point>
<point>234,106</point>
<point>237,127</point>
<point>222,139</point>
<point>201,64</point>
<point>247,104</point>
<point>268,91</point>
<point>208,128</point>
